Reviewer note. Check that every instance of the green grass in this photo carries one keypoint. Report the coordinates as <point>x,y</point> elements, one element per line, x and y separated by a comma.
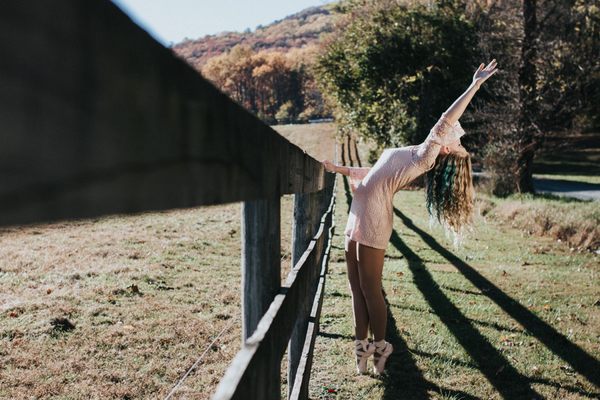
<point>508,315</point>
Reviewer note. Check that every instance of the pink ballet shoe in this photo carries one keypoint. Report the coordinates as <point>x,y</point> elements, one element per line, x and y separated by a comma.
<point>363,350</point>
<point>382,352</point>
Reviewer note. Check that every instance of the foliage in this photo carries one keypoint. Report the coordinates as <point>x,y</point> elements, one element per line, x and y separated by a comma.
<point>269,84</point>
<point>269,67</point>
<point>393,67</point>
<point>283,115</point>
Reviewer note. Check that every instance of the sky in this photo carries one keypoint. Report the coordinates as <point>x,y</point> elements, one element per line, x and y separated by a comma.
<point>170,21</point>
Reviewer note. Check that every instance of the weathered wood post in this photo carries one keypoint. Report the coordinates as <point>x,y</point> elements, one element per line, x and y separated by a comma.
<point>306,213</point>
<point>306,221</point>
<point>299,390</point>
<point>261,276</point>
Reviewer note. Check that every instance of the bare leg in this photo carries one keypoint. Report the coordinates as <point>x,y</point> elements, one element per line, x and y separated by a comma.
<point>359,305</point>
<point>370,268</point>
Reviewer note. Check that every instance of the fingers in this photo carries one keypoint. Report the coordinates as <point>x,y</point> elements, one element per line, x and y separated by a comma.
<point>491,65</point>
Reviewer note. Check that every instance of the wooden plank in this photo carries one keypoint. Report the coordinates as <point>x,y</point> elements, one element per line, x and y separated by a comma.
<point>268,343</point>
<point>302,378</point>
<point>99,118</point>
<point>300,391</point>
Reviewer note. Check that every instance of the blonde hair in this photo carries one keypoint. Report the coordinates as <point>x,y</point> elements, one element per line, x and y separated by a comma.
<point>449,189</point>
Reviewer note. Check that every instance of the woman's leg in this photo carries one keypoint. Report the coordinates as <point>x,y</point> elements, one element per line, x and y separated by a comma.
<point>359,306</point>
<point>370,268</point>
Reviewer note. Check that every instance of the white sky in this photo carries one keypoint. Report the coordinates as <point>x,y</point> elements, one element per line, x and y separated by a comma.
<point>170,21</point>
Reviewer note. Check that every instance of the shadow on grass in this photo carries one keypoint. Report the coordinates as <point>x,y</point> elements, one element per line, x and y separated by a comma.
<point>541,381</point>
<point>492,325</point>
<point>498,371</point>
<point>403,378</point>
<point>576,357</point>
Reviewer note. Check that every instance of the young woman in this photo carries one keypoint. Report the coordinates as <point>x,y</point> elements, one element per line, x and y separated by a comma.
<point>449,198</point>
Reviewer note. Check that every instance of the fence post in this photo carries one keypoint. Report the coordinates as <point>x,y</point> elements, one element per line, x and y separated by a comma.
<point>261,274</point>
<point>306,210</point>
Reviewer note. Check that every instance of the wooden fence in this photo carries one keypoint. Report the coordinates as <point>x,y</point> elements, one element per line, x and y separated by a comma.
<point>98,118</point>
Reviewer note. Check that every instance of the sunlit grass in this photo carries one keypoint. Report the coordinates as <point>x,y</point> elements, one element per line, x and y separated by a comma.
<point>444,326</point>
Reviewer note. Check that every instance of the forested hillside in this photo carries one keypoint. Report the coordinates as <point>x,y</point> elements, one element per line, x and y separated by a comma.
<point>268,70</point>
<point>293,32</point>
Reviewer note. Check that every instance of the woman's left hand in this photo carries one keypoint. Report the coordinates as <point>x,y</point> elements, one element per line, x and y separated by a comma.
<point>482,74</point>
<point>329,166</point>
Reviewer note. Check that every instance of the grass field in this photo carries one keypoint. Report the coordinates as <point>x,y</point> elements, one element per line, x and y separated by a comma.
<point>507,315</point>
<point>120,307</point>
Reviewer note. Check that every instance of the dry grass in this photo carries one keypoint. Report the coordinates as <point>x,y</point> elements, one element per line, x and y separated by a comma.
<point>316,139</point>
<point>144,293</point>
<point>573,222</point>
<point>147,294</point>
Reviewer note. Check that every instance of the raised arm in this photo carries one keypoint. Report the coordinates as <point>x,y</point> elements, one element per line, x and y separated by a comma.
<point>447,130</point>
<point>456,110</point>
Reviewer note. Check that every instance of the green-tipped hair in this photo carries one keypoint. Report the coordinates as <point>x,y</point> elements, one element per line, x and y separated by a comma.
<point>449,191</point>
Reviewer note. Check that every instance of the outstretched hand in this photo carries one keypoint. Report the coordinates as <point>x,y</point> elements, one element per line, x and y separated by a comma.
<point>483,73</point>
<point>329,166</point>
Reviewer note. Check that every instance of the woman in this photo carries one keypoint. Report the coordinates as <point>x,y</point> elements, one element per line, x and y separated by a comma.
<point>369,227</point>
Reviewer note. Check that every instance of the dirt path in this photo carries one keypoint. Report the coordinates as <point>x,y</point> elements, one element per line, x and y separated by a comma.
<point>578,190</point>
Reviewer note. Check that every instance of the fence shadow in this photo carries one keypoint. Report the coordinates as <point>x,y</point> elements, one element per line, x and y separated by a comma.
<point>498,371</point>
<point>403,378</point>
<point>577,358</point>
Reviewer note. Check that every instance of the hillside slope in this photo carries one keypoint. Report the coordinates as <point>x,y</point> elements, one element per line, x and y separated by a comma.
<point>295,31</point>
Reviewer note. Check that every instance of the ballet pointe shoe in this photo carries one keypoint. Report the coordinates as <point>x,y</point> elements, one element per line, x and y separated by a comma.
<point>381,354</point>
<point>363,350</point>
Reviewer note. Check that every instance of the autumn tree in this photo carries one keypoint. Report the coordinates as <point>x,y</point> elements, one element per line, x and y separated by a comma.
<point>267,83</point>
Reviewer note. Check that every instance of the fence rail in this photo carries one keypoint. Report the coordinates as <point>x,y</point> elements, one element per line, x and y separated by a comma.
<point>98,118</point>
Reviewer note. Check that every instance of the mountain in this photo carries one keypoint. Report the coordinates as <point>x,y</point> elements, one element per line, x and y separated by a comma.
<point>296,31</point>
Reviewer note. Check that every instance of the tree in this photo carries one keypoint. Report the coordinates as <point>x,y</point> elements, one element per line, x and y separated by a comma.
<point>392,68</point>
<point>549,81</point>
<point>264,81</point>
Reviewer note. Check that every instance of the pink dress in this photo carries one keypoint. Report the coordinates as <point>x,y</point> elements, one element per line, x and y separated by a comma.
<point>370,221</point>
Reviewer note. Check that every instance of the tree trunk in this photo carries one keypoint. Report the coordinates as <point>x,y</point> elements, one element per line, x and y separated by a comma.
<point>527,94</point>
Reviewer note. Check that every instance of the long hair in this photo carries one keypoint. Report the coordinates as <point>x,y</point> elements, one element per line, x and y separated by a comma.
<point>449,187</point>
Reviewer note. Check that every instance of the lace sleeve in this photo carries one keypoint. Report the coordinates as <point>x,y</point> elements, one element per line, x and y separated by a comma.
<point>442,134</point>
